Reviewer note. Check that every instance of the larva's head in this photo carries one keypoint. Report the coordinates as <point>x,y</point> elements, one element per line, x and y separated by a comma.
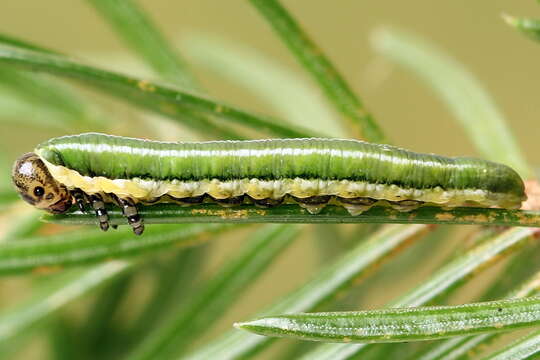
<point>37,187</point>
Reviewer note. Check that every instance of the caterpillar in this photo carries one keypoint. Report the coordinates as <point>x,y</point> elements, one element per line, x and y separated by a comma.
<point>91,169</point>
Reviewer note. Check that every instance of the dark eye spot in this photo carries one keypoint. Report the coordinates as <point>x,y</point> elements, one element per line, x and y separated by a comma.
<point>39,191</point>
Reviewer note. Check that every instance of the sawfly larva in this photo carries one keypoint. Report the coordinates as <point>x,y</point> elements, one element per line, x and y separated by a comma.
<point>93,169</point>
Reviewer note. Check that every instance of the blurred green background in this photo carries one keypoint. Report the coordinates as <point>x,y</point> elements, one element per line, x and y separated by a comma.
<point>473,32</point>
<point>413,117</point>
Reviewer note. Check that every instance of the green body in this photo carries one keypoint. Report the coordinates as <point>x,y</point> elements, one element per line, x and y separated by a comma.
<point>126,158</point>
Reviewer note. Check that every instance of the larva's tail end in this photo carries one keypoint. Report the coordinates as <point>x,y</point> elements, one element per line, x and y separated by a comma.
<point>532,199</point>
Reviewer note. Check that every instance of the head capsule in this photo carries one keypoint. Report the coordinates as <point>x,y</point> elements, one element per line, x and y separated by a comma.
<point>37,187</point>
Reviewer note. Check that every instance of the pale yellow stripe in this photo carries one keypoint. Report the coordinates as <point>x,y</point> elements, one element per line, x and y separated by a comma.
<point>141,190</point>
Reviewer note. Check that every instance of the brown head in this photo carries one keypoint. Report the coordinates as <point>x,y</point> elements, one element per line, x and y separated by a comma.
<point>37,187</point>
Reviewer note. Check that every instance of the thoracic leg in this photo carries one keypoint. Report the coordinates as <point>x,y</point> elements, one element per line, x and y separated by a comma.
<point>80,198</point>
<point>99,207</point>
<point>130,212</point>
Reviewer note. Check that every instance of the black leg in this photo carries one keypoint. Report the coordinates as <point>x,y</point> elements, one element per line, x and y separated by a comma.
<point>130,212</point>
<point>80,199</point>
<point>99,207</point>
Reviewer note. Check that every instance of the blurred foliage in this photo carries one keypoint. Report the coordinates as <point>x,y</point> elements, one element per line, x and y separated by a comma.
<point>160,300</point>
